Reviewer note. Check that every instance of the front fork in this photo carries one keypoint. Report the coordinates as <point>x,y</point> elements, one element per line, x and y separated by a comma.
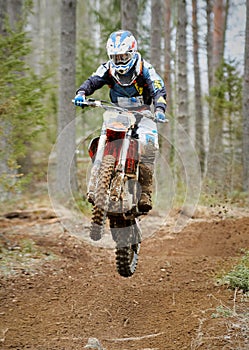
<point>118,181</point>
<point>117,188</point>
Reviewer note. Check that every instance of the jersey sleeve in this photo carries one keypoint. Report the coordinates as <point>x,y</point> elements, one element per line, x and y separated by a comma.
<point>155,85</point>
<point>96,80</point>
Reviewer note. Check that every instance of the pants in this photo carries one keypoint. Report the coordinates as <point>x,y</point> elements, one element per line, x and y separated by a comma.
<point>148,136</point>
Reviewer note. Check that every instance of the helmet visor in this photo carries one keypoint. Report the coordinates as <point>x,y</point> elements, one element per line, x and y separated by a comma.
<point>121,58</point>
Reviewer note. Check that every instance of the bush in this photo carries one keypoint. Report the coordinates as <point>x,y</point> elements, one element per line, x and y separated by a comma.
<point>238,278</point>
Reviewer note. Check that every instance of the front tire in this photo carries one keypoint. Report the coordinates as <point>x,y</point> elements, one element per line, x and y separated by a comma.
<point>102,198</point>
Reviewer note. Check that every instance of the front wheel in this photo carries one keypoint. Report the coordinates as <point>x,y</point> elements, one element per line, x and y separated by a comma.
<point>102,198</point>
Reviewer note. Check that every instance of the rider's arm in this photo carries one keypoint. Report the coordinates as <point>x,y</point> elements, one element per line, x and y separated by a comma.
<point>155,85</point>
<point>95,81</point>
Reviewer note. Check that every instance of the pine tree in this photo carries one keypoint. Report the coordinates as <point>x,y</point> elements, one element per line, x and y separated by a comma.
<point>226,100</point>
<point>22,110</point>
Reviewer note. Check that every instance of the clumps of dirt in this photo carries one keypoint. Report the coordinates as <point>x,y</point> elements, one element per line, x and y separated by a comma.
<point>21,255</point>
<point>35,214</point>
<point>27,254</point>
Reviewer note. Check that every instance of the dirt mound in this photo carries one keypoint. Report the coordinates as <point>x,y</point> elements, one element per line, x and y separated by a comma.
<point>63,291</point>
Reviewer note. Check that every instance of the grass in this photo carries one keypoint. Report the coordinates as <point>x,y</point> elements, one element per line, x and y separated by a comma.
<point>222,311</point>
<point>238,277</point>
<point>236,316</point>
<point>22,257</point>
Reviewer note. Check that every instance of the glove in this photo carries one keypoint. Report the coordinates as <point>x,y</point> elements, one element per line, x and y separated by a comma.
<point>160,115</point>
<point>79,98</point>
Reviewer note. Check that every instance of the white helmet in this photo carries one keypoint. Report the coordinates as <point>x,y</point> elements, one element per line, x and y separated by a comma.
<point>122,51</point>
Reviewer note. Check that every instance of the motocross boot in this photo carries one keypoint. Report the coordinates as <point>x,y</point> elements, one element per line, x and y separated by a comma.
<point>145,180</point>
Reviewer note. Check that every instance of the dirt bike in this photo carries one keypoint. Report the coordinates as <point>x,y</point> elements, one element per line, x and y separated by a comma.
<point>113,187</point>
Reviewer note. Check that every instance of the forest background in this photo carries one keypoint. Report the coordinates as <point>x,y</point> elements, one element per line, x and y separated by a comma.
<point>200,48</point>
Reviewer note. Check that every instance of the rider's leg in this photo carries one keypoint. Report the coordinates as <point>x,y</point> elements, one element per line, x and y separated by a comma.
<point>148,136</point>
<point>146,170</point>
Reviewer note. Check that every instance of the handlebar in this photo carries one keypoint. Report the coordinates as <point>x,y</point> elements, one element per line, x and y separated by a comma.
<point>112,106</point>
<point>90,102</point>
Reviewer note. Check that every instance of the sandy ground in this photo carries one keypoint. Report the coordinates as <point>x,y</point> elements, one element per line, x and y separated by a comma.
<point>58,290</point>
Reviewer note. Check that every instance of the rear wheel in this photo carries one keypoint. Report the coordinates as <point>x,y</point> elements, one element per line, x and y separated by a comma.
<point>127,236</point>
<point>102,198</point>
<point>127,259</point>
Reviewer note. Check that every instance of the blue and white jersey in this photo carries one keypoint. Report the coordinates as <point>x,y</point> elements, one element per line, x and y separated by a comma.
<point>147,84</point>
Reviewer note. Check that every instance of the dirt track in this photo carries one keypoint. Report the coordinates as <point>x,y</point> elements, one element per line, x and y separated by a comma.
<point>71,291</point>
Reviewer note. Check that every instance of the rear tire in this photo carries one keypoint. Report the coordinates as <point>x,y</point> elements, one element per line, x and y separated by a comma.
<point>127,236</point>
<point>127,259</point>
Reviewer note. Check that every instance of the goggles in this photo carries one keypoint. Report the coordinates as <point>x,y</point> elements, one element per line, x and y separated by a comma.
<point>121,58</point>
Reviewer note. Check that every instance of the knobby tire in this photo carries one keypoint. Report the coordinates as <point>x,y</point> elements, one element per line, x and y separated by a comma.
<point>126,235</point>
<point>102,198</point>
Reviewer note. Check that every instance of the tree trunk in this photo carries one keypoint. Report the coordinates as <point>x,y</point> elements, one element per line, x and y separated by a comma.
<point>167,55</point>
<point>182,127</point>
<point>3,7</point>
<point>188,163</point>
<point>129,11</point>
<point>219,11</point>
<point>167,129</point>
<point>14,8</point>
<point>215,156</point>
<point>199,131</point>
<point>66,163</point>
<point>209,42</point>
<point>183,113</point>
<point>4,127</point>
<point>246,107</point>
<point>155,58</point>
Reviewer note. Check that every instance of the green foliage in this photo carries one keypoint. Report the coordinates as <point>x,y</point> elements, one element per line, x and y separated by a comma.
<point>24,256</point>
<point>22,110</point>
<point>222,311</point>
<point>86,61</point>
<point>143,32</point>
<point>225,102</point>
<point>91,49</point>
<point>91,52</point>
<point>238,277</point>
<point>108,23</point>
<point>84,206</point>
<point>226,95</point>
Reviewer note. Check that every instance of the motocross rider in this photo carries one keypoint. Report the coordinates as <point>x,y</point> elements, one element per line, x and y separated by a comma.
<point>132,81</point>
